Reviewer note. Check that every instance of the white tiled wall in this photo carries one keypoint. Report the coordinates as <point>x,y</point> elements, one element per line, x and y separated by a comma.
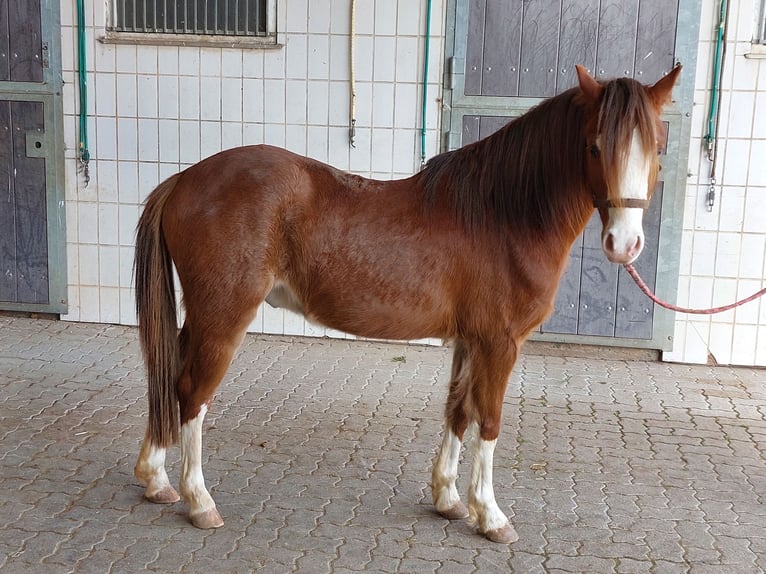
<point>156,110</point>
<point>724,250</point>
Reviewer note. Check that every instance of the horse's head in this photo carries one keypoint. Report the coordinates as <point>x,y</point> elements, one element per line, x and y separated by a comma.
<point>623,137</point>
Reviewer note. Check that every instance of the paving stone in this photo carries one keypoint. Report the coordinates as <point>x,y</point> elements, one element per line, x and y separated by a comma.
<point>319,453</point>
<point>583,563</point>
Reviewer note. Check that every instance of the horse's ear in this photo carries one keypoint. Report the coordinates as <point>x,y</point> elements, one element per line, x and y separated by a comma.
<point>590,87</point>
<point>663,90</point>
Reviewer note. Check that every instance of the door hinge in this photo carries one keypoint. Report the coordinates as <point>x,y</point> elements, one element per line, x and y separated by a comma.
<point>455,67</point>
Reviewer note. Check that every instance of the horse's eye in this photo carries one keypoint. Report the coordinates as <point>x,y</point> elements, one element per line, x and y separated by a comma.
<point>594,151</point>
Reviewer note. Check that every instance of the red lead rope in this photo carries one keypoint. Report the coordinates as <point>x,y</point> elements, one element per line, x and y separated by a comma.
<point>648,292</point>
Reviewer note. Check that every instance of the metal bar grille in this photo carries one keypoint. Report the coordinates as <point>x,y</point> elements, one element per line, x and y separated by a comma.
<point>206,17</point>
<point>761,30</point>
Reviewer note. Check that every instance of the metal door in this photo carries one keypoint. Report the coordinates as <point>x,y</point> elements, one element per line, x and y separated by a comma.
<point>32,241</point>
<point>505,56</point>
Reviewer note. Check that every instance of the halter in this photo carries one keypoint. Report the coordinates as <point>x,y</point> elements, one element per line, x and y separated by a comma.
<point>607,203</point>
<point>627,202</point>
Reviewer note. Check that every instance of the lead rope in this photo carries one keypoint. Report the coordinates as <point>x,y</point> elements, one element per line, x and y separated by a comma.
<point>648,292</point>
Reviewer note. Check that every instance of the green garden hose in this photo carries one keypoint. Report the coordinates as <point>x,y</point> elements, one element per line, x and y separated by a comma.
<point>82,78</point>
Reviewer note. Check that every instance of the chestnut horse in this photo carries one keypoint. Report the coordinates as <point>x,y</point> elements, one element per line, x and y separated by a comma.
<point>470,249</point>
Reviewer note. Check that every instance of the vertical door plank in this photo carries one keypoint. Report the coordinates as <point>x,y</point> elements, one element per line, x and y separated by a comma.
<point>470,129</point>
<point>577,44</point>
<point>567,304</point>
<point>539,48</point>
<point>502,46</point>
<point>490,124</point>
<point>616,38</point>
<point>656,41</point>
<point>8,272</point>
<point>5,38</point>
<point>598,285</point>
<point>26,43</point>
<point>31,208</point>
<point>474,54</point>
<point>635,311</point>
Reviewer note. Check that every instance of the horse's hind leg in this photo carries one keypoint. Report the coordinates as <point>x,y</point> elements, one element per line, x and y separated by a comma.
<point>150,472</point>
<point>150,466</point>
<point>212,344</point>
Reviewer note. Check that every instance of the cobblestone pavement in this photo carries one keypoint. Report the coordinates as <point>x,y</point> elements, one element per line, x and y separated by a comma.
<point>318,454</point>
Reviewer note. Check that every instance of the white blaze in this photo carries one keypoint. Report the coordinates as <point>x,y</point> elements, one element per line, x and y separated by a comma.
<point>623,235</point>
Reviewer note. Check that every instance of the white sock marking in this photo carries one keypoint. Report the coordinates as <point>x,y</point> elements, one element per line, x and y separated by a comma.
<point>444,475</point>
<point>192,481</point>
<point>150,468</point>
<point>483,510</point>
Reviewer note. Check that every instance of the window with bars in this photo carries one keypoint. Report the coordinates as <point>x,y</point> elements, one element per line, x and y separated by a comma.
<point>760,30</point>
<point>241,18</point>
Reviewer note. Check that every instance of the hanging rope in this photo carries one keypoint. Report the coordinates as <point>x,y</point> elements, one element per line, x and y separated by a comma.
<point>82,77</point>
<point>648,292</point>
<point>714,113</point>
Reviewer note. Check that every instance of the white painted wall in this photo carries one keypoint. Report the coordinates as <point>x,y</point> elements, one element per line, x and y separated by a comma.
<point>155,110</point>
<point>724,251</point>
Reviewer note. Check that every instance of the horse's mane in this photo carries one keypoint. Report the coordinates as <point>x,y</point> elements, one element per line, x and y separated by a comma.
<point>529,174</point>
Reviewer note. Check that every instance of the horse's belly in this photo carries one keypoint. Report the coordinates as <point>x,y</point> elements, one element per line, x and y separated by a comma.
<point>364,314</point>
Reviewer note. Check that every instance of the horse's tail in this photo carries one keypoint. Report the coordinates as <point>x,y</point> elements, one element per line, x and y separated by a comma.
<point>157,320</point>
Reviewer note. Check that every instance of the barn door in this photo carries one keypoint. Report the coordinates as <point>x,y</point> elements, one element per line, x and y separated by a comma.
<point>505,56</point>
<point>32,240</point>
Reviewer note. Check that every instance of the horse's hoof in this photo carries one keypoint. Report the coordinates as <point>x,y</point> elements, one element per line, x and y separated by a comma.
<point>207,519</point>
<point>457,511</point>
<point>505,535</point>
<point>165,495</point>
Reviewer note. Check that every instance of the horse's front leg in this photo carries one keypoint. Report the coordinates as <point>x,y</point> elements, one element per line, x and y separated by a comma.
<point>482,507</point>
<point>491,364</point>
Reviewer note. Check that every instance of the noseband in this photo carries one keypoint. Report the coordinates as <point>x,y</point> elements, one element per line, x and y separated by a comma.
<point>607,203</point>
<point>627,202</point>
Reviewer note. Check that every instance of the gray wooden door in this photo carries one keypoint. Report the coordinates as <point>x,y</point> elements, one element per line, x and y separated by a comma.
<point>506,56</point>
<point>31,211</point>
